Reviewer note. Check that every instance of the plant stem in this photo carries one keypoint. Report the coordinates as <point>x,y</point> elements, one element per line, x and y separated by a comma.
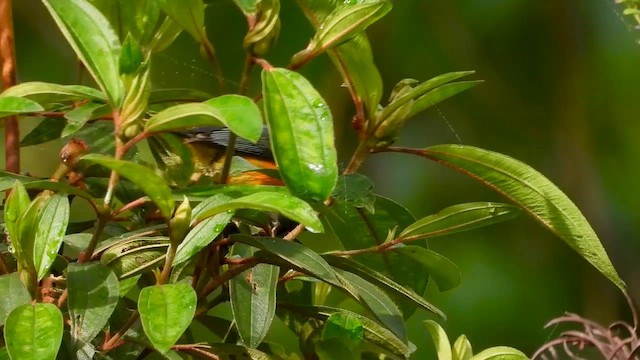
<point>210,52</point>
<point>113,341</point>
<point>361,153</point>
<point>8,65</point>
<point>226,276</point>
<point>168,262</point>
<point>100,225</point>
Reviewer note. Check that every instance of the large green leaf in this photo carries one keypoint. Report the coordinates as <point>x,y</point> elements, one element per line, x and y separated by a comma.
<point>443,271</point>
<point>10,105</point>
<point>381,280</point>
<point>33,331</point>
<point>93,40</point>
<point>166,311</point>
<point>287,205</point>
<point>253,298</point>
<point>458,218</point>
<point>14,294</point>
<point>360,229</point>
<point>298,256</point>
<point>46,93</point>
<point>93,295</point>
<point>440,340</point>
<point>147,180</point>
<point>529,189</point>
<point>7,180</point>
<point>52,225</point>
<point>239,113</point>
<point>301,129</point>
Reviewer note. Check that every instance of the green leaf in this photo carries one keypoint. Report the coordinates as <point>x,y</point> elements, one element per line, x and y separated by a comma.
<point>7,179</point>
<point>15,294</point>
<point>204,232</point>
<point>93,295</point>
<point>248,7</point>
<point>47,93</point>
<point>79,116</point>
<point>177,95</point>
<point>152,185</point>
<point>201,192</point>
<point>16,205</point>
<point>376,335</point>
<point>131,56</point>
<point>287,205</point>
<point>381,280</point>
<point>301,129</point>
<point>444,272</point>
<point>33,332</point>
<point>298,256</point>
<point>462,349</point>
<point>239,113</point>
<point>376,300</point>
<point>166,311</point>
<point>52,225</point>
<point>359,229</point>
<point>23,242</point>
<point>253,298</point>
<point>165,35</point>
<point>534,193</point>
<point>232,352</point>
<point>10,105</point>
<point>135,255</point>
<point>341,337</point>
<point>48,129</point>
<point>500,353</point>
<point>189,14</point>
<point>440,339</point>
<point>440,94</point>
<point>355,189</point>
<point>458,218</point>
<point>93,40</point>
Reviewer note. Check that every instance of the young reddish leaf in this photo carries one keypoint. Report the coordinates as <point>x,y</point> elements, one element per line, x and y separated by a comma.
<point>253,298</point>
<point>94,42</point>
<point>11,105</point>
<point>534,193</point>
<point>301,129</point>
<point>93,295</point>
<point>166,311</point>
<point>52,225</point>
<point>33,331</point>
<point>239,113</point>
<point>461,217</point>
<point>147,180</point>
<point>15,294</point>
<point>287,205</point>
<point>46,93</point>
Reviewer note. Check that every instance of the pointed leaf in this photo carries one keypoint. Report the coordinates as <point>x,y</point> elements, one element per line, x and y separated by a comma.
<point>298,256</point>
<point>538,196</point>
<point>16,204</point>
<point>440,94</point>
<point>253,298</point>
<point>287,205</point>
<point>440,339</point>
<point>382,281</point>
<point>152,185</point>
<point>462,349</point>
<point>500,353</point>
<point>165,35</point>
<point>444,272</point>
<point>166,311</point>
<point>204,232</point>
<point>33,332</point>
<point>301,129</point>
<point>239,113</point>
<point>135,255</point>
<point>52,225</point>
<point>79,116</point>
<point>48,129</point>
<point>47,93</point>
<point>93,295</point>
<point>10,105</point>
<point>14,294</point>
<point>376,300</point>
<point>458,218</point>
<point>7,180</point>
<point>189,14</point>
<point>93,40</point>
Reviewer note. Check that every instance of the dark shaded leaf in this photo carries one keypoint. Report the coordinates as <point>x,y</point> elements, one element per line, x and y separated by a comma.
<point>15,294</point>
<point>444,272</point>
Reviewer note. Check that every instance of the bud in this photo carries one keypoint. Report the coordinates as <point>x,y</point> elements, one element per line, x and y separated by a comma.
<point>179,224</point>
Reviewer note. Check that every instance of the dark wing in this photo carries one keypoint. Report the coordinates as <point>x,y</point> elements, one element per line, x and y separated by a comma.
<point>219,137</point>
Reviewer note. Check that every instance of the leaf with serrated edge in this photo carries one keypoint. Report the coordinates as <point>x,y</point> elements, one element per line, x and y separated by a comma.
<point>532,191</point>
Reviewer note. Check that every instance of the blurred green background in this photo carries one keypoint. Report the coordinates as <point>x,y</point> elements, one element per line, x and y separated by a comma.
<point>561,94</point>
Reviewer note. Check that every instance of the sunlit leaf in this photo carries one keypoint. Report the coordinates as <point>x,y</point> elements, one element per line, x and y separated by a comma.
<point>33,331</point>
<point>7,179</point>
<point>10,105</point>
<point>16,204</point>
<point>46,93</point>
<point>462,349</point>
<point>52,225</point>
<point>147,180</point>
<point>93,295</point>
<point>500,353</point>
<point>301,129</point>
<point>529,189</point>
<point>166,311</point>
<point>440,340</point>
<point>93,40</point>
<point>253,298</point>
<point>136,255</point>
<point>440,94</point>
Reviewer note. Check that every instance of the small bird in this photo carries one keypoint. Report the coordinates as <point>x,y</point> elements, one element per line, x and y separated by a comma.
<point>209,145</point>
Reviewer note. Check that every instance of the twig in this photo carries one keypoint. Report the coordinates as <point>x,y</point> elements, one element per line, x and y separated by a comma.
<point>8,59</point>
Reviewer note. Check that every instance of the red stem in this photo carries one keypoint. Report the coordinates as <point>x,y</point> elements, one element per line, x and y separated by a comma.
<point>8,59</point>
